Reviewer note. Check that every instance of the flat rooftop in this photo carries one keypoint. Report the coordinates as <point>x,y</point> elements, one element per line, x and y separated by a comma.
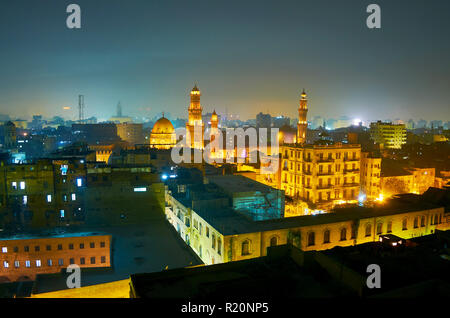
<point>230,222</point>
<point>47,234</point>
<point>236,183</point>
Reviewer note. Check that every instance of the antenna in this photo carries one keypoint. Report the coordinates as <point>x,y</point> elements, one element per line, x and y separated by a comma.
<point>81,108</point>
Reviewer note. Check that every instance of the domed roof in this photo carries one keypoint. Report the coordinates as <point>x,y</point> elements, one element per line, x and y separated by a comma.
<point>163,126</point>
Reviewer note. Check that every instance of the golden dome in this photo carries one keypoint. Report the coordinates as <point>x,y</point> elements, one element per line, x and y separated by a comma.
<point>163,126</point>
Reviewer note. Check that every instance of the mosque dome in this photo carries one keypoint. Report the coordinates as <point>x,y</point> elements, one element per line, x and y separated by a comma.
<point>163,134</point>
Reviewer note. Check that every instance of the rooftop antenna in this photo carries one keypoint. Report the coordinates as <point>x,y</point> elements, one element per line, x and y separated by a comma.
<point>81,108</point>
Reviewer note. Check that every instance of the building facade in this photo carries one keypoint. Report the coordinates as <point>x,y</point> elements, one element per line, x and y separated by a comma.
<point>388,135</point>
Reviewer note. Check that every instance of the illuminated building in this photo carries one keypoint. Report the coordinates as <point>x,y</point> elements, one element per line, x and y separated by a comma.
<point>370,175</point>
<point>163,134</point>
<point>222,234</point>
<point>321,175</point>
<point>195,126</point>
<point>22,258</point>
<point>399,180</point>
<point>302,124</point>
<point>389,135</point>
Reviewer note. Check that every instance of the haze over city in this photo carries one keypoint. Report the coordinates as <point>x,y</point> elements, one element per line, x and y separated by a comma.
<point>246,56</point>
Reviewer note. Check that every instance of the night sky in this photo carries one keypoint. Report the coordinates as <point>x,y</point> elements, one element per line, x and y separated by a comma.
<point>246,56</point>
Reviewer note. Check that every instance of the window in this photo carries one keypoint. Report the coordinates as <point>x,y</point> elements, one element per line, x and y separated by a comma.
<point>213,241</point>
<point>25,200</point>
<point>49,247</point>
<point>368,230</point>
<point>5,264</point>
<point>343,234</point>
<point>82,261</point>
<point>422,221</point>
<point>311,238</point>
<point>219,245</point>
<point>81,245</point>
<point>92,260</point>
<point>26,248</point>
<point>49,262</point>
<point>326,236</point>
<point>37,248</point>
<point>102,244</point>
<point>389,227</point>
<point>207,231</point>
<point>60,262</point>
<point>416,222</point>
<point>14,185</point>
<point>245,249</point>
<point>38,263</point>
<point>22,185</point>
<point>79,182</point>
<point>59,246</point>
<point>4,249</point>
<point>16,249</point>
<point>274,241</point>
<point>70,246</point>
<point>74,196</point>
<point>405,224</point>
<point>61,214</point>
<point>103,259</point>
<point>92,245</point>
<point>379,228</point>
<point>16,264</point>
<point>49,198</point>
<point>72,261</point>
<point>27,264</point>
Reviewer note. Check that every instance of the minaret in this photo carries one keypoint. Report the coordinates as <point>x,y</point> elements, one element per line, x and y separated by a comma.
<point>302,121</point>
<point>195,118</point>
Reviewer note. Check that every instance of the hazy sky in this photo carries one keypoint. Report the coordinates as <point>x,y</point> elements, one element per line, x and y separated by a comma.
<point>246,56</point>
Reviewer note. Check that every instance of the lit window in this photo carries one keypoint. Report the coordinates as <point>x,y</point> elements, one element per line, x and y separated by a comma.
<point>38,263</point>
<point>64,169</point>
<point>74,196</point>
<point>22,185</point>
<point>49,198</point>
<point>140,189</point>
<point>5,264</point>
<point>27,264</point>
<point>14,185</point>
<point>25,200</point>
<point>4,249</point>
<point>79,182</point>
<point>61,213</point>
<point>16,264</point>
<point>49,262</point>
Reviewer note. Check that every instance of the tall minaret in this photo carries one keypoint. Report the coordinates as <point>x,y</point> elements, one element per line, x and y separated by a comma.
<point>214,130</point>
<point>195,119</point>
<point>302,121</point>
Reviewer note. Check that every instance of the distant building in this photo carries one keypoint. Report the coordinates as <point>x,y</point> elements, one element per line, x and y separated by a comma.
<point>263,120</point>
<point>8,135</point>
<point>24,256</point>
<point>130,132</point>
<point>370,175</point>
<point>391,136</point>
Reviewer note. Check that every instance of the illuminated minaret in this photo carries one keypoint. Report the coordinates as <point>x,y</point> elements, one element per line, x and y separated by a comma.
<point>214,130</point>
<point>302,121</point>
<point>195,119</point>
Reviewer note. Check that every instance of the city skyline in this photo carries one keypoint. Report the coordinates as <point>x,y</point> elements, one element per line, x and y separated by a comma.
<point>252,57</point>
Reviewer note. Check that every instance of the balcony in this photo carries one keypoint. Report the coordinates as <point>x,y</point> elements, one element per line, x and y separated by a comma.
<point>320,160</point>
<point>324,186</point>
<point>351,170</point>
<point>351,159</point>
<point>351,184</point>
<point>325,173</point>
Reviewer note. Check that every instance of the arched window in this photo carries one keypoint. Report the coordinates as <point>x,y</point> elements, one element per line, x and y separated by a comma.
<point>343,234</point>
<point>245,247</point>
<point>311,238</point>
<point>379,228</point>
<point>368,230</point>
<point>416,222</point>
<point>326,236</point>
<point>274,241</point>
<point>219,246</point>
<point>435,219</point>
<point>422,221</point>
<point>405,224</point>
